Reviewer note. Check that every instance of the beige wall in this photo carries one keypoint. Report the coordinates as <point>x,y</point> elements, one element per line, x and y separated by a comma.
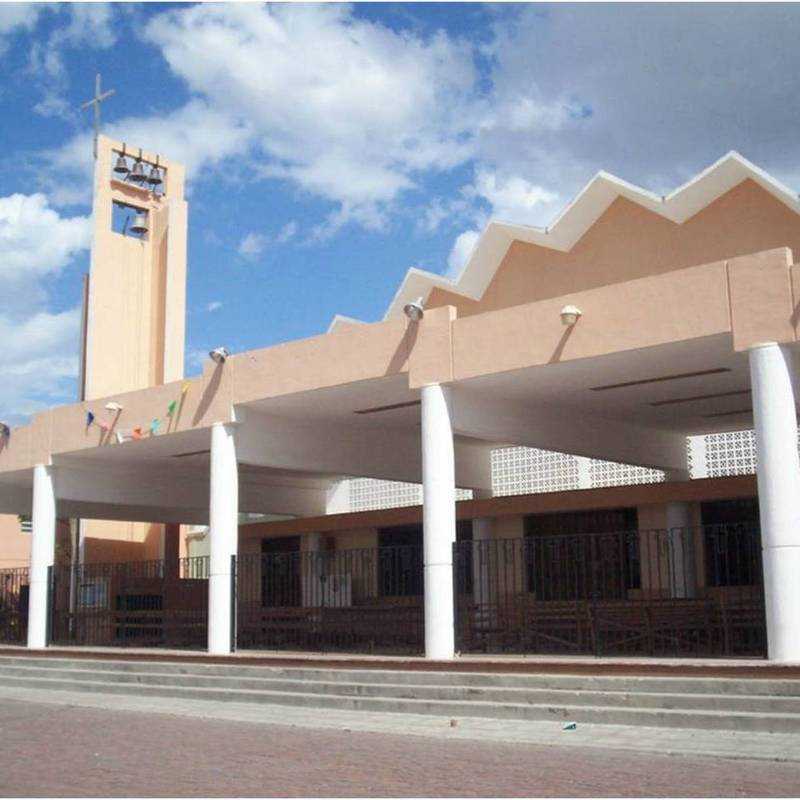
<point>630,242</point>
<point>15,546</point>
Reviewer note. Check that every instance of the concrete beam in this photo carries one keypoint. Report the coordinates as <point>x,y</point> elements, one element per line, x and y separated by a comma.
<point>387,453</point>
<point>184,491</point>
<point>548,428</point>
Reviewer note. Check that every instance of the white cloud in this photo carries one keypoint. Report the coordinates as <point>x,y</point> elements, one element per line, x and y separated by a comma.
<point>214,305</point>
<point>15,17</point>
<point>462,249</point>
<point>651,92</point>
<point>511,197</point>
<point>40,365</point>
<point>35,241</point>
<point>345,108</point>
<point>40,362</point>
<point>88,26</point>
<point>287,232</point>
<point>252,246</point>
<point>508,198</point>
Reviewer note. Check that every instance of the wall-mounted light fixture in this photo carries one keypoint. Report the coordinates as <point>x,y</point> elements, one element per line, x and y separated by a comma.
<point>414,310</point>
<point>219,355</point>
<point>570,315</point>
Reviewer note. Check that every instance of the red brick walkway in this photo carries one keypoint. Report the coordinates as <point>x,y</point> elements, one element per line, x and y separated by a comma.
<point>50,750</point>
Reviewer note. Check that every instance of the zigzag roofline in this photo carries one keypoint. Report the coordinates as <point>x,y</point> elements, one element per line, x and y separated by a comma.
<point>573,222</point>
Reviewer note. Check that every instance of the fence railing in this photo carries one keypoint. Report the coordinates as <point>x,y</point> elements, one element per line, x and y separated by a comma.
<point>364,600</point>
<point>139,604</point>
<point>14,591</point>
<point>679,591</point>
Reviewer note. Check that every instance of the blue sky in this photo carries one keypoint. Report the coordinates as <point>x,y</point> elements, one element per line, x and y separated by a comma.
<point>332,147</point>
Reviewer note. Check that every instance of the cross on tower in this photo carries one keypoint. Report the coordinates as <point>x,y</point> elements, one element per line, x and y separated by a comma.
<point>98,98</point>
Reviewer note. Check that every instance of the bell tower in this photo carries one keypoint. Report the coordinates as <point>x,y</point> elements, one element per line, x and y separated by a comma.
<point>135,313</point>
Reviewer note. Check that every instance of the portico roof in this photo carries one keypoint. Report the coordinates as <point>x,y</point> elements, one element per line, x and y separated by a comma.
<point>650,361</point>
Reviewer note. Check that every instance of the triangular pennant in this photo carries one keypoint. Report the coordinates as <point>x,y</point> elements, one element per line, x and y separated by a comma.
<point>155,425</point>
<point>89,418</point>
<point>136,433</point>
<point>185,387</point>
<point>171,408</point>
<point>104,426</point>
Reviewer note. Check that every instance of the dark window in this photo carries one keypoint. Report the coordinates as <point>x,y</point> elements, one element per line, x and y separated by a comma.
<point>400,561</point>
<point>463,562</point>
<point>732,541</point>
<point>401,572</point>
<point>280,572</point>
<point>582,555</point>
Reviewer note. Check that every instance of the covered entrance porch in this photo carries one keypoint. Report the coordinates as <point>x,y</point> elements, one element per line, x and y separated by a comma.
<point>276,431</point>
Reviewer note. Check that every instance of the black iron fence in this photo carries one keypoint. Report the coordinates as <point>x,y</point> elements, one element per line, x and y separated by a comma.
<point>14,590</point>
<point>157,603</point>
<point>681,591</point>
<point>367,600</point>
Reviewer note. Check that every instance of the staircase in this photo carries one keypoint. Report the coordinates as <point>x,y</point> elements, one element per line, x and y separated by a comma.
<point>741,704</point>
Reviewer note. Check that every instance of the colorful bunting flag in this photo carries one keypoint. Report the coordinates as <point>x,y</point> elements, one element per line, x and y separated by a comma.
<point>104,426</point>
<point>154,426</point>
<point>113,407</point>
<point>136,433</point>
<point>171,408</point>
<point>185,387</point>
<point>89,418</point>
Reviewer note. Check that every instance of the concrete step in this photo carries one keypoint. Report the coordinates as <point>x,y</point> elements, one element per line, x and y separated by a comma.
<point>454,691</point>
<point>771,722</point>
<point>766,687</point>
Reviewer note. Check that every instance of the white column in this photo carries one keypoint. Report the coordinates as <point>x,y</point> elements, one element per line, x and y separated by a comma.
<point>223,535</point>
<point>43,545</point>
<point>778,472</point>
<point>439,520</point>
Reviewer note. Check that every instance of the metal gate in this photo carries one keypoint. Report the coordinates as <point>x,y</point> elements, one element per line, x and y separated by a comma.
<point>14,589</point>
<point>364,600</point>
<point>131,604</point>
<point>669,592</point>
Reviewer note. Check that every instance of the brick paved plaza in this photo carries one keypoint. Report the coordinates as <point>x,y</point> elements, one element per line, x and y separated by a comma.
<point>51,750</point>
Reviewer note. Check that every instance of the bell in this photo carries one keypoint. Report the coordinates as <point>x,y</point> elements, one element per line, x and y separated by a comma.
<point>121,167</point>
<point>154,178</point>
<point>137,173</point>
<point>139,224</point>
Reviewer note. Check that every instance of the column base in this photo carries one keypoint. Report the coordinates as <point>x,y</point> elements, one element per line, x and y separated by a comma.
<point>782,597</point>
